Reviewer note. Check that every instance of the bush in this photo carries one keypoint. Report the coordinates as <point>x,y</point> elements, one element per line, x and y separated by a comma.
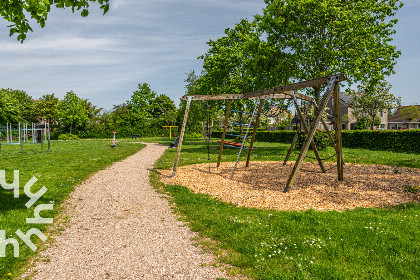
<point>320,138</point>
<point>68,137</point>
<point>392,140</point>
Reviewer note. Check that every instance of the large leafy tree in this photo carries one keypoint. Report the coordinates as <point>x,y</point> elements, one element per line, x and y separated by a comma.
<point>234,64</point>
<point>24,103</point>
<point>17,12</point>
<point>72,112</point>
<point>371,99</point>
<point>318,38</point>
<point>46,107</point>
<point>141,101</point>
<point>9,108</point>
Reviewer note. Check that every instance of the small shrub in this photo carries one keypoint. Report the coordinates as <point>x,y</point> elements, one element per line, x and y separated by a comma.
<point>68,137</point>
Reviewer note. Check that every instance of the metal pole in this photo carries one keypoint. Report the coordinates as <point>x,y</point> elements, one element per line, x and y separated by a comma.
<point>7,132</point>
<point>224,131</point>
<point>181,137</point>
<point>49,136</point>
<point>246,134</point>
<point>33,132</point>
<point>20,138</point>
<point>11,134</point>
<point>42,142</point>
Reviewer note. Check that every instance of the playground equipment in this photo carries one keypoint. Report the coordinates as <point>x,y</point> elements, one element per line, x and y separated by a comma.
<point>113,139</point>
<point>283,92</point>
<point>39,133</point>
<point>170,129</point>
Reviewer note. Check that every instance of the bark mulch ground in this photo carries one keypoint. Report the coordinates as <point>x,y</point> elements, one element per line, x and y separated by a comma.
<point>261,185</point>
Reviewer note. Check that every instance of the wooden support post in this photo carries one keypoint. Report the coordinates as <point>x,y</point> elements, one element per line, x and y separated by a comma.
<point>328,92</point>
<point>224,131</point>
<point>305,127</point>
<point>289,152</point>
<point>337,118</point>
<point>181,137</point>
<point>254,132</point>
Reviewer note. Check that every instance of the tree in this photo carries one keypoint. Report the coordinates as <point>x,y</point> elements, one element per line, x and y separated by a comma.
<point>9,109</point>
<point>46,108</point>
<point>319,38</point>
<point>72,111</point>
<point>25,104</point>
<point>17,11</point>
<point>410,113</point>
<point>371,99</point>
<point>140,106</point>
<point>232,64</point>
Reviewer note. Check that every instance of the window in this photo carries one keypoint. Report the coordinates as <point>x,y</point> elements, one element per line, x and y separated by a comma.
<point>395,126</point>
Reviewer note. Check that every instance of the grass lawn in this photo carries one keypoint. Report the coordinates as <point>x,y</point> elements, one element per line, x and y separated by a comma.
<point>365,243</point>
<point>59,170</point>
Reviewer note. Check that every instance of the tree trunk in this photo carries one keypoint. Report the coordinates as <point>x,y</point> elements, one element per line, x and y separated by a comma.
<point>71,128</point>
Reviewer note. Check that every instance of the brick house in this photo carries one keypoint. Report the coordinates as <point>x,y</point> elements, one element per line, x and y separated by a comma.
<point>346,114</point>
<point>396,121</point>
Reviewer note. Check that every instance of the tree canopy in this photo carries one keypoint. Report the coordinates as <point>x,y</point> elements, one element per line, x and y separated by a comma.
<point>370,99</point>
<point>319,38</point>
<point>17,12</point>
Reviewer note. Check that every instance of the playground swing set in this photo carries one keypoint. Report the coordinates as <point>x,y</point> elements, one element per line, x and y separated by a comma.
<point>289,92</point>
<point>37,133</point>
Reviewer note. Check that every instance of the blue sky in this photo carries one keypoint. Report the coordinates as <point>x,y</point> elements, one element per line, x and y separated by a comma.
<point>103,58</point>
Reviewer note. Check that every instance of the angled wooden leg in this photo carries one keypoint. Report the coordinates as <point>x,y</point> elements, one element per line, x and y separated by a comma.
<point>289,152</point>
<point>331,83</point>
<point>305,127</point>
<point>181,137</point>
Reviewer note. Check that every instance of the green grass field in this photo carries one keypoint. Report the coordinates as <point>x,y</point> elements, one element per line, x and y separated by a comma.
<point>59,170</point>
<point>263,244</point>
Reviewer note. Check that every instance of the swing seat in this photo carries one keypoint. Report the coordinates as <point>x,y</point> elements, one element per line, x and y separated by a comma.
<point>230,143</point>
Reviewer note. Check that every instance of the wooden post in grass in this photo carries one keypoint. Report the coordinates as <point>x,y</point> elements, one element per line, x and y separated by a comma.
<point>254,131</point>
<point>305,127</point>
<point>337,123</point>
<point>224,131</point>
<point>181,137</point>
<point>332,80</point>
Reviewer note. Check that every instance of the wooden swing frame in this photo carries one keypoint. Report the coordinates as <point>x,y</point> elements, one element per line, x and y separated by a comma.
<point>285,92</point>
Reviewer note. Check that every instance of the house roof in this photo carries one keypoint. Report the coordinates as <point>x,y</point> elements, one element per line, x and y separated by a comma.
<point>396,117</point>
<point>344,97</point>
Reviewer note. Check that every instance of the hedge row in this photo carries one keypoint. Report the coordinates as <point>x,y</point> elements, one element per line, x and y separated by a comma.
<point>392,140</point>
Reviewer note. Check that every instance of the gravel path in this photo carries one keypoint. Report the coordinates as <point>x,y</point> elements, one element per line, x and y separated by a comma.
<point>120,228</point>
